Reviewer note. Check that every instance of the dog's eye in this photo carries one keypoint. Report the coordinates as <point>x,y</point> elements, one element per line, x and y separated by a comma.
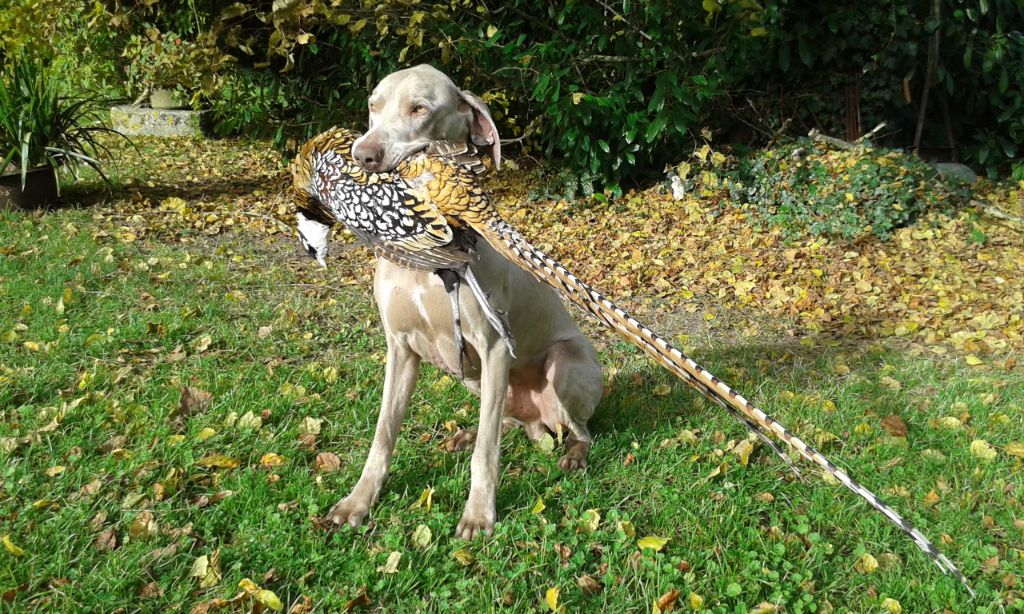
<point>418,109</point>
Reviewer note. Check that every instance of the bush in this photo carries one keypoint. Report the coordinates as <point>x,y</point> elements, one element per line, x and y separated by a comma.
<point>805,186</point>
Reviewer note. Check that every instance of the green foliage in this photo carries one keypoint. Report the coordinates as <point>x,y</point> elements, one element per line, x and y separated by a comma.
<point>166,60</point>
<point>806,187</point>
<point>39,125</point>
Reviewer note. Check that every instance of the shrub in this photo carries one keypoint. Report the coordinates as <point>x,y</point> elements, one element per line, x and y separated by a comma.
<point>804,186</point>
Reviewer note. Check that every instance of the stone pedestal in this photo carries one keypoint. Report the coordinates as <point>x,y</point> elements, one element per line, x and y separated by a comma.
<point>141,121</point>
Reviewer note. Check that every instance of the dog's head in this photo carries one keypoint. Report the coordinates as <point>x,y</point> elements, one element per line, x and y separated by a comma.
<point>412,107</point>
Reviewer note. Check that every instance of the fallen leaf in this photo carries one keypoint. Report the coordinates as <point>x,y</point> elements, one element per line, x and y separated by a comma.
<point>696,601</point>
<point>206,569</point>
<point>891,606</point>
<point>54,471</point>
<point>589,584</point>
<point>251,421</point>
<point>1014,448</point>
<point>106,541</point>
<point>627,528</point>
<point>220,461</point>
<point>551,598</point>
<point>545,443</point>
<point>421,536</point>
<point>463,557</point>
<point>151,590</point>
<point>426,500</point>
<point>391,565</point>
<point>144,526</point>
<point>362,600</point>
<point>271,459</point>
<point>91,488</point>
<point>11,547</point>
<point>589,521</point>
<point>193,401</point>
<point>765,608</point>
<point>662,390</point>
<point>866,564</point>
<point>982,450</point>
<point>310,426</point>
<point>202,344</point>
<point>895,426</point>
<point>667,602</point>
<point>742,451</point>
<point>538,507</point>
<point>327,462</point>
<point>652,542</point>
<point>890,383</point>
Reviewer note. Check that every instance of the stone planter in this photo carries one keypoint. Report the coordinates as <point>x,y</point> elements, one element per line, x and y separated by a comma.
<point>40,189</point>
<point>163,98</point>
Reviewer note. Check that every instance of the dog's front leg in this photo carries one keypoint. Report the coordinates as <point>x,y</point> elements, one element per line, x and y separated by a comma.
<point>399,381</point>
<point>480,514</point>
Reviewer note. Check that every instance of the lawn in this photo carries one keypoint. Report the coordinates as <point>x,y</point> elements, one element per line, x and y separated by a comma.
<point>183,396</point>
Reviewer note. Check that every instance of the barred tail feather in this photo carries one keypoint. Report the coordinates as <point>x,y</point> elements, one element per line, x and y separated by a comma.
<point>512,245</point>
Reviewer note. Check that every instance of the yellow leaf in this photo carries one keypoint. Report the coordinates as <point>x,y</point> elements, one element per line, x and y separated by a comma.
<point>867,564</point>
<point>269,599</point>
<point>421,536</point>
<point>696,601</point>
<point>1014,448</point>
<point>205,434</point>
<point>464,557</point>
<point>982,450</point>
<point>426,499</point>
<point>662,390</point>
<point>311,426</point>
<point>206,569</point>
<point>391,565</point>
<point>589,521</point>
<point>220,461</point>
<point>891,606</point>
<point>9,545</point>
<point>652,542</point>
<point>627,528</point>
<point>271,459</point>
<point>551,598</point>
<point>55,470</point>
<point>250,421</point>
<point>973,360</point>
<point>33,346</point>
<point>742,451</point>
<point>538,507</point>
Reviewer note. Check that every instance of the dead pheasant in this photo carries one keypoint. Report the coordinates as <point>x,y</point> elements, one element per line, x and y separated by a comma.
<point>427,214</point>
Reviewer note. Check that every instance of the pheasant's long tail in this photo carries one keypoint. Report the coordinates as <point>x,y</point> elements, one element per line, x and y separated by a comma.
<point>513,246</point>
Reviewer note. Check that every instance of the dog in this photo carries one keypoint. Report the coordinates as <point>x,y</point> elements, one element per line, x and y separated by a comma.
<point>553,382</point>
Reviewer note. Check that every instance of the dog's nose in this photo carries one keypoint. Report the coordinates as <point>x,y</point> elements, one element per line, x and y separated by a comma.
<point>370,156</point>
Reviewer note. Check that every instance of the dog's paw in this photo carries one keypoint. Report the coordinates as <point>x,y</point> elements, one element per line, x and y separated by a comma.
<point>470,528</point>
<point>575,457</point>
<point>460,441</point>
<point>572,462</point>
<point>475,523</point>
<point>350,511</point>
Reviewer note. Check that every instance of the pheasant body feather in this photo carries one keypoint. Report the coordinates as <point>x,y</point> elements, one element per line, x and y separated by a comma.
<point>438,191</point>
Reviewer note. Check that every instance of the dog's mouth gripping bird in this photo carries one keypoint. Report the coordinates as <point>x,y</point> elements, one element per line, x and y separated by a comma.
<point>428,213</point>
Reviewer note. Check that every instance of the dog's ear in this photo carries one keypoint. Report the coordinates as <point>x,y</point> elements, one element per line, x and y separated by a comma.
<point>482,129</point>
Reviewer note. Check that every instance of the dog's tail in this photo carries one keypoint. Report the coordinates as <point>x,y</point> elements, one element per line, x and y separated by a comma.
<point>513,246</point>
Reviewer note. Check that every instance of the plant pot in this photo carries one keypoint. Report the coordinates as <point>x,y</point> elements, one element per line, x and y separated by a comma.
<point>164,98</point>
<point>40,189</point>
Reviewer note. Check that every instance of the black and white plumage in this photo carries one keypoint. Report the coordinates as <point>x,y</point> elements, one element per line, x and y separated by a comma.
<point>449,211</point>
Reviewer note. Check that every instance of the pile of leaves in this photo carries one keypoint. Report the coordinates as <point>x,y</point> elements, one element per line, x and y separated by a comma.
<point>846,193</point>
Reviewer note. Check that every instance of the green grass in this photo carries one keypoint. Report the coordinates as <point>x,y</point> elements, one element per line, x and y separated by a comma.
<point>121,326</point>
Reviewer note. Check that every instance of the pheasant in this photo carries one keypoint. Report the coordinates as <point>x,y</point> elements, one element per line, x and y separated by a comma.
<point>428,212</point>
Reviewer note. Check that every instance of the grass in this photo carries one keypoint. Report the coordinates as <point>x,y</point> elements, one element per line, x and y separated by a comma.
<point>101,331</point>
